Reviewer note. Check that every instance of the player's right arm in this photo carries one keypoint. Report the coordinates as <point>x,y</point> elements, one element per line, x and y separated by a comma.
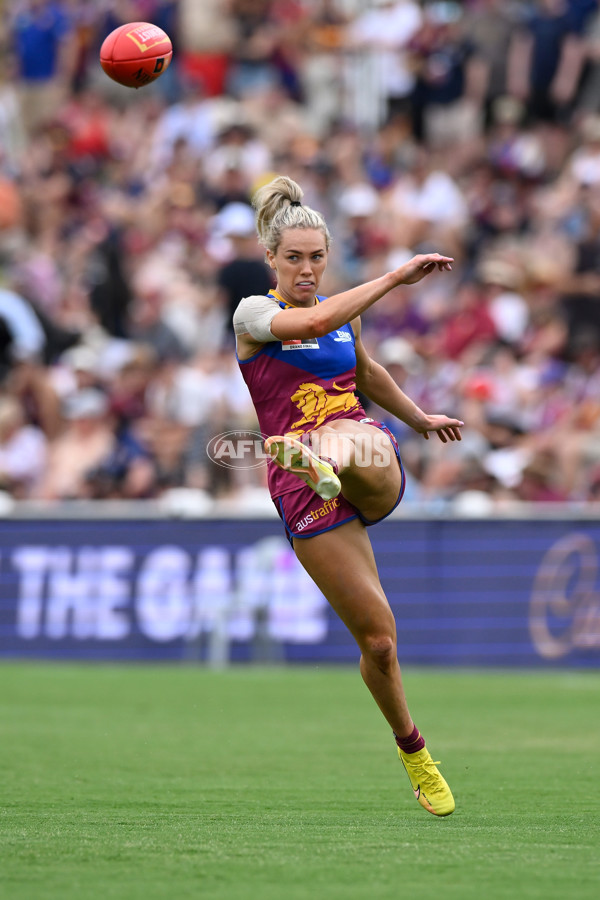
<point>319,320</point>
<point>259,320</point>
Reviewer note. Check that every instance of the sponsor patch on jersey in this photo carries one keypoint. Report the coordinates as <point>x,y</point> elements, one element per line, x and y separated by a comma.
<point>344,337</point>
<point>305,344</point>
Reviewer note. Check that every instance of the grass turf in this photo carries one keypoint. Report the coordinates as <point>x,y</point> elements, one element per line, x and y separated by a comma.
<point>180,782</point>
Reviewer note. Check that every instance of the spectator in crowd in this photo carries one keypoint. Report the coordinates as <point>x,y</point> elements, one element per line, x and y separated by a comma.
<point>237,147</point>
<point>490,25</point>
<point>253,64</point>
<point>84,443</point>
<point>109,289</point>
<point>22,333</point>
<point>192,120</point>
<point>426,202</point>
<point>243,271</point>
<point>12,129</point>
<point>23,451</point>
<point>364,238</point>
<point>149,325</point>
<point>589,101</point>
<point>501,281</point>
<point>580,287</point>
<point>546,58</point>
<point>42,37</point>
<point>322,69</point>
<point>384,32</point>
<point>450,80</point>
<point>469,327</point>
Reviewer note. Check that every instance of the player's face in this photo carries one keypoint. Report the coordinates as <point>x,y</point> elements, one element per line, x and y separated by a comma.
<point>300,261</point>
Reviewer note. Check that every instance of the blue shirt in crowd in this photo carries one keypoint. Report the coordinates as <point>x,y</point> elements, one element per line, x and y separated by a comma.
<point>37,35</point>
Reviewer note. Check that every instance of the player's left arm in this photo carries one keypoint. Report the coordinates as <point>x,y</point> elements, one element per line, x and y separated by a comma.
<point>378,385</point>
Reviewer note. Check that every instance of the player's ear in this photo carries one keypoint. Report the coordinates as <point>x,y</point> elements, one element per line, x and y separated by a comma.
<point>270,256</point>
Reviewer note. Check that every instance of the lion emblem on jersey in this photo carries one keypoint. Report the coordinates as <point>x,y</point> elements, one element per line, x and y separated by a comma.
<point>316,404</point>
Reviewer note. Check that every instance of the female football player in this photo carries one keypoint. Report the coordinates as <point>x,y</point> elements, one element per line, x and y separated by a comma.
<point>335,471</point>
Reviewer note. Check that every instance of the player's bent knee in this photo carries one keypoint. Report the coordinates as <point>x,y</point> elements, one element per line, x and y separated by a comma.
<point>381,650</point>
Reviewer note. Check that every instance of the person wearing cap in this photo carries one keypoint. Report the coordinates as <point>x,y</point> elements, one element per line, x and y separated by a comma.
<point>363,236</point>
<point>23,450</point>
<point>244,273</point>
<point>333,470</point>
<point>87,438</point>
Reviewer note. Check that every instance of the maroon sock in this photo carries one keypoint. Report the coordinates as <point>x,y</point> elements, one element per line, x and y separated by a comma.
<point>412,743</point>
<point>331,462</point>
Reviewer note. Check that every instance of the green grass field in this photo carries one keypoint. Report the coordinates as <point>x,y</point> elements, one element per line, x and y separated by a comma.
<point>280,784</point>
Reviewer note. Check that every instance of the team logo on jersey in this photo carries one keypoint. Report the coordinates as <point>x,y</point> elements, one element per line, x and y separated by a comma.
<point>344,337</point>
<point>304,344</point>
<point>316,403</point>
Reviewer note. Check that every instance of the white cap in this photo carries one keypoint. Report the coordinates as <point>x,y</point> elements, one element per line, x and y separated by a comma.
<point>87,404</point>
<point>235,220</point>
<point>80,358</point>
<point>398,351</point>
<point>501,272</point>
<point>359,200</point>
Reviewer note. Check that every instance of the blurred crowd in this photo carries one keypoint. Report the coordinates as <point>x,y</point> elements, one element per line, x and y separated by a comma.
<point>127,239</point>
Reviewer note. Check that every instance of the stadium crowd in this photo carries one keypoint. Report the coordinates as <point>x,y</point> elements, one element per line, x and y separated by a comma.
<point>127,239</point>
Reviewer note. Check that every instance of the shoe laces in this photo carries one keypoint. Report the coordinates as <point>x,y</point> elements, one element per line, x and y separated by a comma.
<point>426,771</point>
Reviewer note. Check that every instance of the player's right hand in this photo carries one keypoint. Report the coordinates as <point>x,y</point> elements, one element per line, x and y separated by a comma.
<point>421,265</point>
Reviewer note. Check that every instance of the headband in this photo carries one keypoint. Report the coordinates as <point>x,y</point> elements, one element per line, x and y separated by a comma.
<point>295,203</point>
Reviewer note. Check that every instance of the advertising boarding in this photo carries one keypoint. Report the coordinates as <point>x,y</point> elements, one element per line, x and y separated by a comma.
<point>464,593</point>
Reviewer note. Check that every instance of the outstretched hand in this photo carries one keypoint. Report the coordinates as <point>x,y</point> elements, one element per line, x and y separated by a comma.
<point>420,266</point>
<point>447,429</point>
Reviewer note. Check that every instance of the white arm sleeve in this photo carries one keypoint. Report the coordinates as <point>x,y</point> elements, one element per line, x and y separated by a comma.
<point>254,316</point>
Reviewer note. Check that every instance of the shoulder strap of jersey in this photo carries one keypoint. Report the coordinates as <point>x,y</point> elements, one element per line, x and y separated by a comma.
<point>286,305</point>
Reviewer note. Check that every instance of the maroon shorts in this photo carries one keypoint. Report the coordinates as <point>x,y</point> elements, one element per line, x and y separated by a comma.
<point>305,514</point>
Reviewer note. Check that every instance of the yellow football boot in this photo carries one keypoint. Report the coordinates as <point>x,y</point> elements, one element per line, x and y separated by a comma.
<point>428,786</point>
<point>295,457</point>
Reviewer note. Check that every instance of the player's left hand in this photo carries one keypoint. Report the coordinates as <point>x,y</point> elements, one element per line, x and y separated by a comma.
<point>447,429</point>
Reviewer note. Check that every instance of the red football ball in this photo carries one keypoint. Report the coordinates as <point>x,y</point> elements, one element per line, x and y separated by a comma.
<point>136,54</point>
